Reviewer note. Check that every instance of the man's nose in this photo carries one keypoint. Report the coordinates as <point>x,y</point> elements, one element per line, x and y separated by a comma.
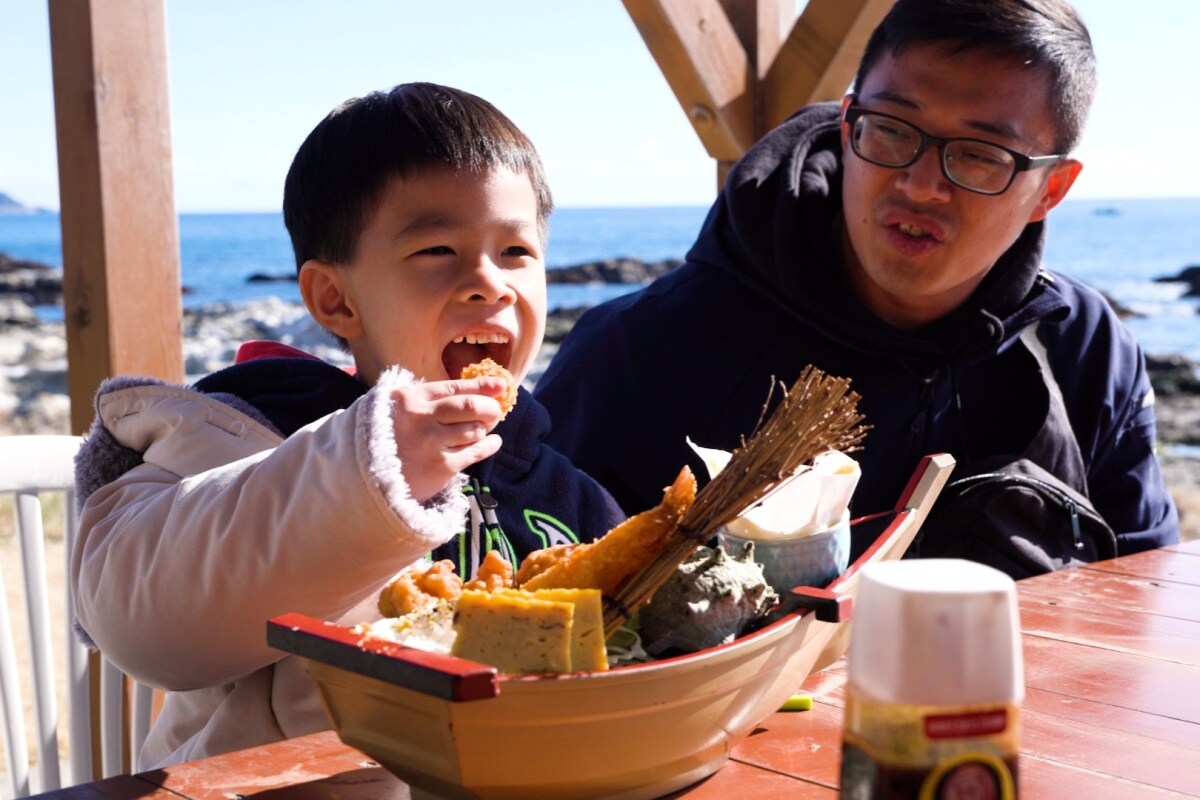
<point>924,180</point>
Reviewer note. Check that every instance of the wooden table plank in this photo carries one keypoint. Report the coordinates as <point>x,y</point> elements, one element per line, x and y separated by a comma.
<point>1048,780</point>
<point>120,787</point>
<point>804,744</point>
<point>1192,546</point>
<point>1125,680</point>
<point>1122,627</point>
<point>1115,594</point>
<point>1150,761</point>
<point>1067,712</point>
<point>739,781</point>
<point>1181,564</point>
<point>315,766</point>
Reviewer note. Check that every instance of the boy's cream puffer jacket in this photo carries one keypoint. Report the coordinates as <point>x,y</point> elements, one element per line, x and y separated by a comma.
<point>223,524</point>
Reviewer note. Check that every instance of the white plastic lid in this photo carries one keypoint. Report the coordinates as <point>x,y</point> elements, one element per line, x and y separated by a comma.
<point>936,632</point>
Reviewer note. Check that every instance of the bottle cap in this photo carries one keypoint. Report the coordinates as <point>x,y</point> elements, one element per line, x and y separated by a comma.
<point>936,632</point>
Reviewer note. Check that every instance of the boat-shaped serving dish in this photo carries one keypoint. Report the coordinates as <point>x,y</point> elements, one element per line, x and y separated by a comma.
<point>455,728</point>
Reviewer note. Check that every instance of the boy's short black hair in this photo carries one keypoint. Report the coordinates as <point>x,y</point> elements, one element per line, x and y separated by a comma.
<point>340,170</point>
<point>1041,33</point>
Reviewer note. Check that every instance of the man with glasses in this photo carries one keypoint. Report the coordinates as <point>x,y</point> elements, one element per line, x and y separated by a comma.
<point>895,239</point>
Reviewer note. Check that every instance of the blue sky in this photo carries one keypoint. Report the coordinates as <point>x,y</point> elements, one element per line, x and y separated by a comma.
<point>249,79</point>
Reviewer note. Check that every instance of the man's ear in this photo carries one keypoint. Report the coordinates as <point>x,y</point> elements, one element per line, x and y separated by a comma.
<point>846,101</point>
<point>323,287</point>
<point>1058,183</point>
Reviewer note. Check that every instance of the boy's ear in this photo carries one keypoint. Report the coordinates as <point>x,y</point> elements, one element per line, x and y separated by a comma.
<point>323,287</point>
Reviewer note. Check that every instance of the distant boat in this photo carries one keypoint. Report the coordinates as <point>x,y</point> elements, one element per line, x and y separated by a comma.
<point>1107,211</point>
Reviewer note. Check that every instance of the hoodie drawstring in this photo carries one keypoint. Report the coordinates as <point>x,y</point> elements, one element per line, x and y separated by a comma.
<point>486,533</point>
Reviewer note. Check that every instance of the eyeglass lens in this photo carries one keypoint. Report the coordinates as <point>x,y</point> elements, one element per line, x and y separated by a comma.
<point>969,163</point>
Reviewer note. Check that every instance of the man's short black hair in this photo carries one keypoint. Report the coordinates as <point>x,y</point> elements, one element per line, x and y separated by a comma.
<point>341,169</point>
<point>1041,33</point>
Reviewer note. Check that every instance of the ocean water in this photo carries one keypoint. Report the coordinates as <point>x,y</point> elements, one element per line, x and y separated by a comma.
<point>1118,246</point>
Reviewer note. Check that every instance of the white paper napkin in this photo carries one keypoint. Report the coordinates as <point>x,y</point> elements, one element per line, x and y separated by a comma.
<point>815,498</point>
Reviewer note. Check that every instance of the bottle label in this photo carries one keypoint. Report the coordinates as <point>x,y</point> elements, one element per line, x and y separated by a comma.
<point>928,753</point>
<point>963,724</point>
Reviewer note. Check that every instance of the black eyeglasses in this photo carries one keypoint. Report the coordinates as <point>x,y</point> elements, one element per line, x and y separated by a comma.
<point>973,164</point>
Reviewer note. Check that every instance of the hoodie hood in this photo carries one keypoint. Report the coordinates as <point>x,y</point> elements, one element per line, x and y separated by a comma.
<point>775,227</point>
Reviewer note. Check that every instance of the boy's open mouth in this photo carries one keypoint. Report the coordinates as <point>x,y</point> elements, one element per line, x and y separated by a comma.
<point>473,348</point>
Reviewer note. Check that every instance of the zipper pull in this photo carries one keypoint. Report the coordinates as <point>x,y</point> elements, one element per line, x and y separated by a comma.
<point>486,501</point>
<point>1073,510</point>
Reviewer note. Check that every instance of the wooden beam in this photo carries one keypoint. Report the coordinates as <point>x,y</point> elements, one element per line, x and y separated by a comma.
<point>735,72</point>
<point>761,26</point>
<point>820,56</point>
<point>120,237</point>
<point>702,58</point>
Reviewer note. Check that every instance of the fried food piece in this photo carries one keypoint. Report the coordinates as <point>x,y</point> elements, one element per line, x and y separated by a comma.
<point>415,589</point>
<point>489,367</point>
<point>604,563</point>
<point>494,573</point>
<point>539,561</point>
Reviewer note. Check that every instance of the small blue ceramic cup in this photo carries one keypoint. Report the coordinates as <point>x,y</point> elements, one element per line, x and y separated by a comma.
<point>814,559</point>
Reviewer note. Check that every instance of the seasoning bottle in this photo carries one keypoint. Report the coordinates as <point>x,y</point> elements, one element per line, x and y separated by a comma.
<point>936,680</point>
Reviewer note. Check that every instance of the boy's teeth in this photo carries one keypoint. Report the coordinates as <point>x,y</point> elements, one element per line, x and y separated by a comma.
<point>482,338</point>
<point>912,230</point>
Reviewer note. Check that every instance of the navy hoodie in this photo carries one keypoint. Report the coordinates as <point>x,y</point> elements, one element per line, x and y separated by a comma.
<point>762,294</point>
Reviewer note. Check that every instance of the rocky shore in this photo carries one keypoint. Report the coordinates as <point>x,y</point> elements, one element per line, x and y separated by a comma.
<point>33,391</point>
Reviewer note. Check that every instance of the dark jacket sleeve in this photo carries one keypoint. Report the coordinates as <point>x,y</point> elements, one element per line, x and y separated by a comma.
<point>1102,372</point>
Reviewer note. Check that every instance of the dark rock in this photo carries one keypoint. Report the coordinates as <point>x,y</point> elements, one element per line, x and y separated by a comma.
<point>8,265</point>
<point>31,281</point>
<point>1173,375</point>
<point>1189,275</point>
<point>15,311</point>
<point>613,270</point>
<point>559,322</point>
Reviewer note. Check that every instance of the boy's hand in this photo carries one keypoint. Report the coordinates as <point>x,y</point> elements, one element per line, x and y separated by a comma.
<point>442,428</point>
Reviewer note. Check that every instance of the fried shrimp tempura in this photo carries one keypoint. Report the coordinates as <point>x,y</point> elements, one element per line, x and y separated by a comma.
<point>416,589</point>
<point>489,367</point>
<point>604,563</point>
<point>539,561</point>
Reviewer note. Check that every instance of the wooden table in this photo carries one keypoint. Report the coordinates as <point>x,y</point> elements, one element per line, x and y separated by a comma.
<point>1112,709</point>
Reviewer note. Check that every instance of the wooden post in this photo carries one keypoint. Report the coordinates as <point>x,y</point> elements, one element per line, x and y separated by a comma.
<point>120,236</point>
<point>741,67</point>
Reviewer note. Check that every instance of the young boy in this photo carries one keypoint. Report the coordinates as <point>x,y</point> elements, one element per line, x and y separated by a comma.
<point>419,222</point>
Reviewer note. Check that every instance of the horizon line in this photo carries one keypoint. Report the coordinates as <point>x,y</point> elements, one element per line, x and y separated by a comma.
<point>31,211</point>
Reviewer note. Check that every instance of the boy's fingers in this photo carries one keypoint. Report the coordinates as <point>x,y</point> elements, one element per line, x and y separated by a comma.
<point>465,456</point>
<point>489,385</point>
<point>485,385</point>
<point>468,408</point>
<point>462,434</point>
